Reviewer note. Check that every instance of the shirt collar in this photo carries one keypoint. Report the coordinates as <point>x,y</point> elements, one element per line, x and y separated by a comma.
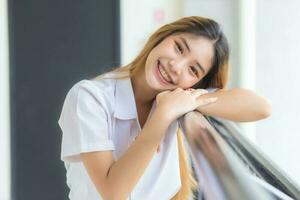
<point>125,106</point>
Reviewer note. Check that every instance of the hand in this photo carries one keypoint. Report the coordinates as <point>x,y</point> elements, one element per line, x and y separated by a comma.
<point>176,103</point>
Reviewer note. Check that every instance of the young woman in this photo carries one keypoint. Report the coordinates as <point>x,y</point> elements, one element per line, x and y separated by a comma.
<point>120,131</point>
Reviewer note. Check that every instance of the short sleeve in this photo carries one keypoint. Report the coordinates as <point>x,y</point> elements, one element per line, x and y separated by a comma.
<point>84,122</point>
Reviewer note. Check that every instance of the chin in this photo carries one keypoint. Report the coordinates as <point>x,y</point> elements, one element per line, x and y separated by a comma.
<point>152,83</point>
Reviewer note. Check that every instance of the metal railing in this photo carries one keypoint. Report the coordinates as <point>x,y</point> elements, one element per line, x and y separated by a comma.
<point>228,166</point>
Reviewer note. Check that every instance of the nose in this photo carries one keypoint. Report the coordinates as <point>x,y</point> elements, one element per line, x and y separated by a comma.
<point>176,66</point>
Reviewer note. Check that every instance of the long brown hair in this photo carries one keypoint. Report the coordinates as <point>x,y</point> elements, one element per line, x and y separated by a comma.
<point>217,76</point>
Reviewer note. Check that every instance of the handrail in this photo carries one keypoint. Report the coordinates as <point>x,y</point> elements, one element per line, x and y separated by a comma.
<point>256,161</point>
<point>220,173</point>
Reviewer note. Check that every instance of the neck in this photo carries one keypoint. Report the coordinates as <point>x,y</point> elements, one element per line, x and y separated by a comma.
<point>143,94</point>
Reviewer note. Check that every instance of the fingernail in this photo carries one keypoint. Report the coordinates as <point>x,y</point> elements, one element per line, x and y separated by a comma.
<point>213,99</point>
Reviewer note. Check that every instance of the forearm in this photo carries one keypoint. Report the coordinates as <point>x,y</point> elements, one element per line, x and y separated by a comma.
<point>237,105</point>
<point>125,173</point>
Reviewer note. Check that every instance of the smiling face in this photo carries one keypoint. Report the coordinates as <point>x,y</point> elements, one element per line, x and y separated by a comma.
<point>180,60</point>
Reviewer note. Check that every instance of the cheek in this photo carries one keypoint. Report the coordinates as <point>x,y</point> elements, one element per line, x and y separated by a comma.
<point>148,70</point>
<point>188,81</point>
<point>149,62</point>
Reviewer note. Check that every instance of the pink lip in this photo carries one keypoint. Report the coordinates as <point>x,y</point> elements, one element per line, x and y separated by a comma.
<point>159,75</point>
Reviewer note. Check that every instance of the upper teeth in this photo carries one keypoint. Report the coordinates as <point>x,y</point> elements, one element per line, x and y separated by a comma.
<point>164,74</point>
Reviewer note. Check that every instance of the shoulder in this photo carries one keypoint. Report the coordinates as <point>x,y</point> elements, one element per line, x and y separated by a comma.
<point>95,87</point>
<point>90,93</point>
<point>85,119</point>
<point>103,88</point>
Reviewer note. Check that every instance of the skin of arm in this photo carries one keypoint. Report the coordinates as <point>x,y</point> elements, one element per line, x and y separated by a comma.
<point>115,180</point>
<point>237,104</point>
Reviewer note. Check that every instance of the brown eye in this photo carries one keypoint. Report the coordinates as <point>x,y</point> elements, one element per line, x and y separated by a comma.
<point>194,70</point>
<point>178,47</point>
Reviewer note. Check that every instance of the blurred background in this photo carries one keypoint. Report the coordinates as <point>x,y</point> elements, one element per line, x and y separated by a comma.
<point>46,46</point>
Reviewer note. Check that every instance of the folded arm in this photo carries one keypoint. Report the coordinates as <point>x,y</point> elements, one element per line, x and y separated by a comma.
<point>115,179</point>
<point>237,104</point>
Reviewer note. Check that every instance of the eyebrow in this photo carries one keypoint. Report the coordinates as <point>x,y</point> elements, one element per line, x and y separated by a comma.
<point>188,48</point>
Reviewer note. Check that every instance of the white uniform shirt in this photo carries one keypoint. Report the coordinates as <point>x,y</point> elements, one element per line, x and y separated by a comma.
<point>101,115</point>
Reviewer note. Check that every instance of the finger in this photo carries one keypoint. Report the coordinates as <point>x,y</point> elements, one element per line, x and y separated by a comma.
<point>178,89</point>
<point>162,93</point>
<point>207,101</point>
<point>165,91</point>
<point>199,92</point>
<point>191,89</point>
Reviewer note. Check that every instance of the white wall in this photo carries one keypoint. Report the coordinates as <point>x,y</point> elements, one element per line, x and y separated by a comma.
<point>4,106</point>
<point>278,71</point>
<point>139,19</point>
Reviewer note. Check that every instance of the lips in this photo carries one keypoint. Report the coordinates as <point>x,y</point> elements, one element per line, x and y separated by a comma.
<point>162,74</point>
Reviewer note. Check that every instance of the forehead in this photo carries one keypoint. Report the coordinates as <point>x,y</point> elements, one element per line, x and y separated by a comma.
<point>201,48</point>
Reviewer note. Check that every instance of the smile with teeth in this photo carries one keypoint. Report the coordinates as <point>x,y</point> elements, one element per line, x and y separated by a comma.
<point>163,73</point>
